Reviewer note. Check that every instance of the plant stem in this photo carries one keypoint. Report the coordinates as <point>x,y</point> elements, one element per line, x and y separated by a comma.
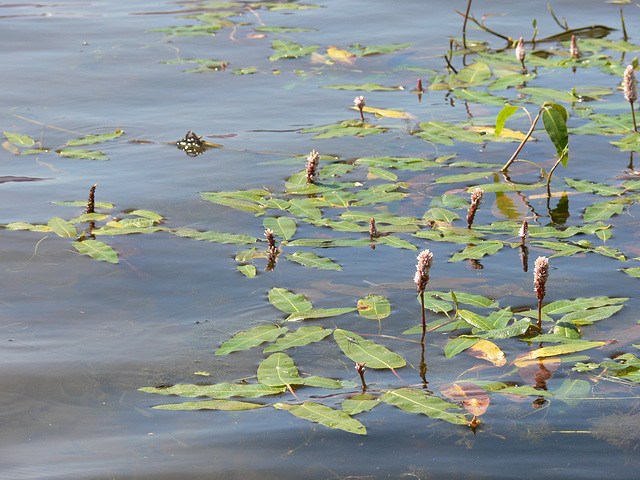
<point>625,37</point>
<point>540,314</point>
<point>524,140</point>
<point>424,322</point>
<point>464,25</point>
<point>558,162</point>
<point>633,112</point>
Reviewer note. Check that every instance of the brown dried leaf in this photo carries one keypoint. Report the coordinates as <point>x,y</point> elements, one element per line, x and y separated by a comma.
<point>488,351</point>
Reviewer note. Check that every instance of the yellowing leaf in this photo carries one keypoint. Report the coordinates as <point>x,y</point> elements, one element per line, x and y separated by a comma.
<point>489,351</point>
<point>385,113</point>
<point>506,132</point>
<point>474,399</point>
<point>341,56</point>
<point>557,350</point>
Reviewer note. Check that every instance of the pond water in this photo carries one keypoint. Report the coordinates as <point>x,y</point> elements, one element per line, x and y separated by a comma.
<point>80,336</point>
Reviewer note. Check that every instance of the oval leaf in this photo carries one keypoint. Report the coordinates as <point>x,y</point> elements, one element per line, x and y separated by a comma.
<point>96,249</point>
<point>324,415</point>
<point>278,370</point>
<point>418,401</point>
<point>62,227</point>
<point>288,302</point>
<point>302,336</point>
<point>373,306</point>
<point>372,354</point>
<point>284,227</point>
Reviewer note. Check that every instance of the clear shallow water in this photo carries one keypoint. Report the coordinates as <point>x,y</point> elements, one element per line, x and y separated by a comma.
<point>80,336</point>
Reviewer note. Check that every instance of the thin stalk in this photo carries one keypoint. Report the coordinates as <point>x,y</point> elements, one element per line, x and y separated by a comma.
<point>464,25</point>
<point>488,30</point>
<point>633,112</point>
<point>424,321</point>
<point>624,28</point>
<point>529,133</point>
<point>540,314</point>
<point>558,162</point>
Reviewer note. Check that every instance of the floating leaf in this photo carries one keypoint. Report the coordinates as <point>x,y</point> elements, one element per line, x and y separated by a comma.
<point>597,188</point>
<point>435,131</point>
<point>463,177</point>
<point>318,313</point>
<point>96,249</point>
<point>375,307</point>
<point>228,405</point>
<point>467,299</point>
<point>278,370</point>
<point>568,306</point>
<point>312,260</point>
<point>559,350</point>
<point>602,211</point>
<point>367,87</point>
<point>302,336</point>
<point>284,227</point>
<point>251,338</point>
<point>247,270</point>
<point>322,382</point>
<point>324,415</point>
<point>359,403</point>
<point>219,390</point>
<point>217,237</point>
<point>91,139</point>
<point>304,208</point>
<point>489,247</point>
<point>418,401</point>
<point>287,49</point>
<point>19,139</point>
<point>377,49</point>
<point>82,154</point>
<point>26,226</point>
<point>524,391</point>
<point>341,56</point>
<point>361,350</point>
<point>396,242</point>
<point>633,271</point>
<point>488,351</point>
<point>587,317</point>
<point>478,97</point>
<point>288,302</point>
<point>459,344</point>
<point>62,227</point>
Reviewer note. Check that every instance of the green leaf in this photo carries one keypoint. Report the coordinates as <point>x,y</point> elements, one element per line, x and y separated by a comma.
<point>602,211</point>
<point>489,247</point>
<point>247,270</point>
<point>396,242</point>
<point>228,405</point>
<point>318,313</point>
<point>367,87</point>
<point>572,391</point>
<point>376,49</point>
<point>437,130</point>
<point>96,249</point>
<point>463,177</point>
<point>375,307</point>
<point>324,415</point>
<point>459,344</point>
<point>568,306</point>
<point>147,214</point>
<point>62,227</point>
<point>219,390</point>
<point>83,203</point>
<point>441,215</point>
<point>322,382</point>
<point>524,391</point>
<point>556,125</point>
<point>361,350</point>
<point>91,139</point>
<point>302,336</point>
<point>26,226</point>
<point>597,188</point>
<point>413,400</point>
<point>19,139</point>
<point>359,403</point>
<point>288,302</point>
<point>633,271</point>
<point>514,330</point>
<point>284,227</point>
<point>82,154</point>
<point>217,237</point>
<point>467,299</point>
<point>287,49</point>
<point>304,208</point>
<point>278,370</point>
<point>251,338</point>
<point>237,203</point>
<point>312,260</point>
<point>587,317</point>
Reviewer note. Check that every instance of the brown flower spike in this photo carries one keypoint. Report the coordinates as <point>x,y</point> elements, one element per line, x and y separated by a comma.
<point>573,48</point>
<point>540,276</point>
<point>421,278</point>
<point>271,249</point>
<point>476,196</point>
<point>91,201</point>
<point>312,166</point>
<point>524,231</point>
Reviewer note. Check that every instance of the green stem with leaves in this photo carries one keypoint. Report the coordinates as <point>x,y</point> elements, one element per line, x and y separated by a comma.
<point>524,140</point>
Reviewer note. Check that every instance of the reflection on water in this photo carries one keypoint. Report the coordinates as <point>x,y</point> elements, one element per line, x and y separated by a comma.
<point>80,336</point>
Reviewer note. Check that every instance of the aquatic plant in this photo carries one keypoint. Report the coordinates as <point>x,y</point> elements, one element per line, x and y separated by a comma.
<point>473,207</point>
<point>630,91</point>
<point>360,103</point>
<point>540,276</point>
<point>521,53</point>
